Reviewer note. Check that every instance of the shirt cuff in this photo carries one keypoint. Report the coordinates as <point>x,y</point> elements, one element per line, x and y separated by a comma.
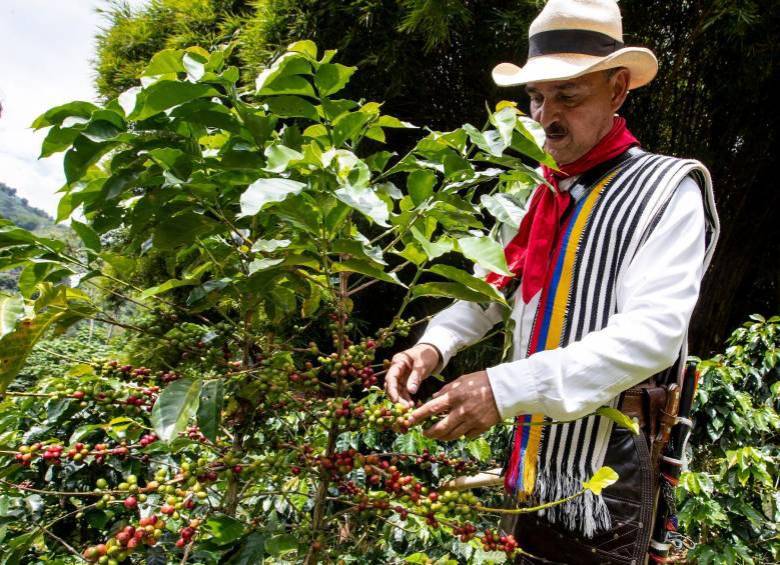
<point>514,388</point>
<point>444,340</point>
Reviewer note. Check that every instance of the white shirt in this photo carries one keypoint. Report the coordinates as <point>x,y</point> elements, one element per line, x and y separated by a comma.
<point>655,301</point>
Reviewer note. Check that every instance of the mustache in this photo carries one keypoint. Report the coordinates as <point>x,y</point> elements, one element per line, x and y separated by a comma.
<point>555,129</point>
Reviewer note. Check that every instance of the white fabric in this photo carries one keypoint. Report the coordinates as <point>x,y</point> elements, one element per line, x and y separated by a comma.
<point>654,300</point>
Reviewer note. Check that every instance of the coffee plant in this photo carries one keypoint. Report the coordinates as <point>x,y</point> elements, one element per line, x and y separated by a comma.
<point>730,501</point>
<point>240,417</point>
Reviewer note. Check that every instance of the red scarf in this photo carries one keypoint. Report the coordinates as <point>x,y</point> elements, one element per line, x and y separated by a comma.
<point>528,254</point>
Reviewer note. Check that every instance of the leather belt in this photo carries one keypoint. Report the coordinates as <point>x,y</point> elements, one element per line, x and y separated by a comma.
<point>644,402</point>
<point>656,409</point>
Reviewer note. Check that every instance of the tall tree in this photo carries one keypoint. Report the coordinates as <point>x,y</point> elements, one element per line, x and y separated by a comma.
<point>431,59</point>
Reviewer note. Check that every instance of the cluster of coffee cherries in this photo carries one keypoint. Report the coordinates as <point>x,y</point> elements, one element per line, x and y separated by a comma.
<point>147,439</point>
<point>345,413</point>
<point>388,416</point>
<point>194,433</point>
<point>354,365</point>
<point>188,532</point>
<point>399,326</point>
<point>117,549</point>
<point>465,532</point>
<point>307,377</point>
<point>450,504</point>
<point>459,466</point>
<point>54,453</point>
<point>51,453</point>
<point>341,462</point>
<point>144,398</point>
<point>113,368</point>
<point>492,541</point>
<point>129,489</point>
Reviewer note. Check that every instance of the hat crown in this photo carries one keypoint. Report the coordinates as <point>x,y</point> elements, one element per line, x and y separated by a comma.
<point>601,16</point>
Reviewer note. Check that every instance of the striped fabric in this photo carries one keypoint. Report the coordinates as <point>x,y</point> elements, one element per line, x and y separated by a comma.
<point>608,224</point>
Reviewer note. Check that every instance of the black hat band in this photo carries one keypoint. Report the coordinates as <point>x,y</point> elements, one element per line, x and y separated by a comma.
<point>582,41</point>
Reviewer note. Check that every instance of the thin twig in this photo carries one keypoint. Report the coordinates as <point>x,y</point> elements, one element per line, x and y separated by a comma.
<point>63,542</point>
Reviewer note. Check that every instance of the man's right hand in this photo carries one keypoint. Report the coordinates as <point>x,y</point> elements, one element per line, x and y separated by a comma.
<point>407,371</point>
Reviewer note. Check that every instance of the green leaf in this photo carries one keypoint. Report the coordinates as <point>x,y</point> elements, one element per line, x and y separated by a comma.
<point>348,126</point>
<point>251,550</point>
<point>56,305</point>
<point>332,77</point>
<point>265,191</point>
<point>305,47</point>
<point>366,268</point>
<point>447,290</point>
<point>181,229</point>
<point>222,529</point>
<point>503,208</point>
<point>525,144</point>
<point>486,253</point>
<point>210,408</point>
<point>286,65</point>
<point>11,311</point>
<point>55,116</point>
<point>279,156</point>
<point>269,245</point>
<point>175,407</point>
<point>432,250</point>
<point>505,120</point>
<point>289,106</point>
<point>58,139</point>
<point>420,185</point>
<point>263,264</point>
<point>619,418</point>
<point>479,449</point>
<point>280,544</point>
<point>166,94</point>
<point>366,201</point>
<point>600,480</point>
<point>293,84</point>
<point>15,550</point>
<point>489,141</point>
<point>487,290</point>
<point>87,234</point>
<point>164,62</point>
<point>83,154</point>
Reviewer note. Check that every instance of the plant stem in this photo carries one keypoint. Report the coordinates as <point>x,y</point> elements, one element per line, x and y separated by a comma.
<point>322,488</point>
<point>528,509</point>
<point>63,542</point>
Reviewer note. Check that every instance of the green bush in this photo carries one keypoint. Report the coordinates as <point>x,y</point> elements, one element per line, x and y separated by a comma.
<point>730,499</point>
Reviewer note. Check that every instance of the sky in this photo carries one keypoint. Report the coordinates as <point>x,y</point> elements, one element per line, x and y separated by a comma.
<point>46,49</point>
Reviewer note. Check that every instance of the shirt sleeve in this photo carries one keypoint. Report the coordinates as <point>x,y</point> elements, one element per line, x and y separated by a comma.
<point>655,302</point>
<point>458,326</point>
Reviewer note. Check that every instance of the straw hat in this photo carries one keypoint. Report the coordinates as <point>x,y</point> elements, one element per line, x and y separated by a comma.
<point>570,38</point>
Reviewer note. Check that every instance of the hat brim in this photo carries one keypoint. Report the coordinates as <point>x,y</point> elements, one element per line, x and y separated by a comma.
<point>560,66</point>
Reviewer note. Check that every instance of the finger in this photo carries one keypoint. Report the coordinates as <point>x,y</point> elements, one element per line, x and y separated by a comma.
<point>394,374</point>
<point>443,390</point>
<point>445,428</point>
<point>415,378</point>
<point>462,431</point>
<point>474,432</point>
<point>430,408</point>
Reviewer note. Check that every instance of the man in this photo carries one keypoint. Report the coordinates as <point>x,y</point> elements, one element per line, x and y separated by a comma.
<point>609,266</point>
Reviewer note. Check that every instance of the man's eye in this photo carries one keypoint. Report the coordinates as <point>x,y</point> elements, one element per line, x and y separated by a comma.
<point>567,98</point>
<point>536,99</point>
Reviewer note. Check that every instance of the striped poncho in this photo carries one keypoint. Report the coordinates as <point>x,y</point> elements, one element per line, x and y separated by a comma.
<point>609,223</point>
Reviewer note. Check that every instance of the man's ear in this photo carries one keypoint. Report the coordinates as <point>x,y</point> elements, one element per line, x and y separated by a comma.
<point>618,84</point>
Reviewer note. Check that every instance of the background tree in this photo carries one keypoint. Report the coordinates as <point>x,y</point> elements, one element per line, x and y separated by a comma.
<point>430,61</point>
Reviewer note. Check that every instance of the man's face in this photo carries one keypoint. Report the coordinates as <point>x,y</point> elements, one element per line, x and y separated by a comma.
<point>577,113</point>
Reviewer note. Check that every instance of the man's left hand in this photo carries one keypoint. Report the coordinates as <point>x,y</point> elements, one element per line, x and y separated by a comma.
<point>469,407</point>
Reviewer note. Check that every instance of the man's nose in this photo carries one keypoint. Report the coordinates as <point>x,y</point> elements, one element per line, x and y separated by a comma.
<point>546,112</point>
